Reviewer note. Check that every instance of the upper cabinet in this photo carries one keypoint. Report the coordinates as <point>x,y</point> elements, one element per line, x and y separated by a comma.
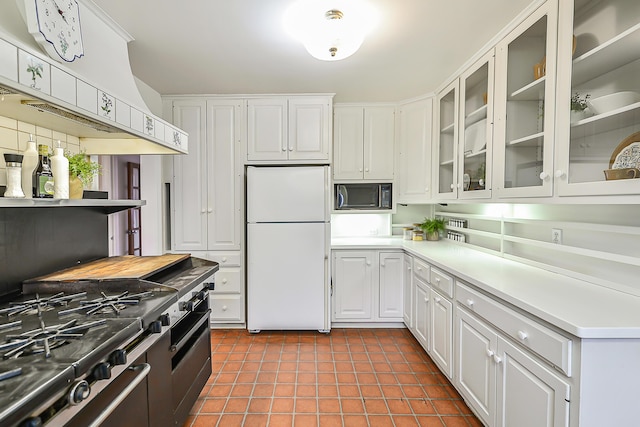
<point>598,96</point>
<point>446,146</point>
<point>289,129</point>
<point>414,151</point>
<point>364,143</point>
<point>476,129</point>
<point>525,106</point>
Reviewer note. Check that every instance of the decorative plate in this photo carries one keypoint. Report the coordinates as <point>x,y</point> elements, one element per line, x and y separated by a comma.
<point>475,137</point>
<point>627,153</point>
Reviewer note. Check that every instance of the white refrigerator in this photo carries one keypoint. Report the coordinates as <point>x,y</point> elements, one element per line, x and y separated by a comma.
<point>288,243</point>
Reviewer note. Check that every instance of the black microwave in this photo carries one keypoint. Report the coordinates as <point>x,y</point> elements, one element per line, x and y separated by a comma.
<point>362,196</point>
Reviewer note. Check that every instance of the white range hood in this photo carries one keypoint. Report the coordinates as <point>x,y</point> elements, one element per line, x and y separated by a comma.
<point>94,97</point>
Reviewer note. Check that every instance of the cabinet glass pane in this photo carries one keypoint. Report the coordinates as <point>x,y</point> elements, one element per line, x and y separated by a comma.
<point>605,91</point>
<point>475,130</point>
<point>447,142</point>
<point>526,83</point>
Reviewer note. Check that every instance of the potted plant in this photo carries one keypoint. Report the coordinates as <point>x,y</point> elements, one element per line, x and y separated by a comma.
<point>81,173</point>
<point>578,106</point>
<point>432,227</point>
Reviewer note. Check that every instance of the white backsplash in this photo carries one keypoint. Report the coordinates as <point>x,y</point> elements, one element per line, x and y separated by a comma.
<point>360,225</point>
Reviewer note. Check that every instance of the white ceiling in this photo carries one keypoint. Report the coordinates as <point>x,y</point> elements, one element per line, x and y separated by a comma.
<point>240,47</point>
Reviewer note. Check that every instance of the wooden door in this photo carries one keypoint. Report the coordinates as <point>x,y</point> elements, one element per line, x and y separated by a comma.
<point>134,227</point>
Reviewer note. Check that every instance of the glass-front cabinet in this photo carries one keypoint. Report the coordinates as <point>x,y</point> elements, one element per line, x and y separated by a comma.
<point>598,143</point>
<point>476,129</point>
<point>446,182</point>
<point>525,106</point>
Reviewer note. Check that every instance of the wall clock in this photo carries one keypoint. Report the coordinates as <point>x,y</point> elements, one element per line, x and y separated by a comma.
<point>55,24</point>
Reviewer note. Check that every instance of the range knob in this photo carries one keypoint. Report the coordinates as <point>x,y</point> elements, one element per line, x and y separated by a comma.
<point>201,295</point>
<point>102,371</point>
<point>165,319</point>
<point>118,357</point>
<point>78,392</point>
<point>209,285</point>
<point>32,422</point>
<point>187,306</point>
<point>155,327</point>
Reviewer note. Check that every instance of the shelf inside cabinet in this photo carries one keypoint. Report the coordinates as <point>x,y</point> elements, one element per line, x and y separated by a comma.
<point>608,56</point>
<point>471,154</point>
<point>534,91</point>
<point>612,120</point>
<point>527,141</point>
<point>476,116</point>
<point>446,162</point>
<point>447,129</point>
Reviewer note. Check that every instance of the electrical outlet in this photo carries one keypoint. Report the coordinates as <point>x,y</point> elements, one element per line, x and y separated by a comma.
<point>556,236</point>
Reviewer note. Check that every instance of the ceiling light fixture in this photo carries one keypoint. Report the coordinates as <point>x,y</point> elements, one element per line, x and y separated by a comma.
<point>330,29</point>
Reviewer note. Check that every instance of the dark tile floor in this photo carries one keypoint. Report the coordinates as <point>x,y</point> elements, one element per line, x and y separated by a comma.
<point>350,378</point>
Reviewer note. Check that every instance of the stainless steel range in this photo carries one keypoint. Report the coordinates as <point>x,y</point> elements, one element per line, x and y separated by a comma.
<point>91,352</point>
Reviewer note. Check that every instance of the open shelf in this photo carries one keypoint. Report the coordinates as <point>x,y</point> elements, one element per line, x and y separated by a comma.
<point>109,206</point>
<point>448,129</point>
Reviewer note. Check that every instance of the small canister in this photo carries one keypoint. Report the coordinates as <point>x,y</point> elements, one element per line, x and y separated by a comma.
<point>417,235</point>
<point>14,176</point>
<point>408,233</point>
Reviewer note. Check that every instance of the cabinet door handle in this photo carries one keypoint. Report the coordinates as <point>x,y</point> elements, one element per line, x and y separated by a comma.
<point>209,210</point>
<point>452,186</point>
<point>438,299</point>
<point>497,359</point>
<point>224,281</point>
<point>560,174</point>
<point>544,176</point>
<point>490,353</point>
<point>408,268</point>
<point>522,335</point>
<point>426,299</point>
<point>224,308</point>
<point>366,169</point>
<point>382,264</point>
<point>470,303</point>
<point>203,210</point>
<point>290,148</point>
<point>437,280</point>
<point>368,262</point>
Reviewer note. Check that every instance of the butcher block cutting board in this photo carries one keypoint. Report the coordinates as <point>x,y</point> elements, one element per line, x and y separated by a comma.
<point>119,267</point>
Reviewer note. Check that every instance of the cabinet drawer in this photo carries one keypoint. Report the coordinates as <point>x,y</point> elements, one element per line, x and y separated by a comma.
<point>226,308</point>
<point>441,281</point>
<point>228,281</point>
<point>225,258</point>
<point>421,269</point>
<point>545,342</point>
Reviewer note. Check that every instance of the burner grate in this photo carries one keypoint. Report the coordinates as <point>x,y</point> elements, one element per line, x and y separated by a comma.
<point>44,339</point>
<point>37,304</point>
<point>107,304</point>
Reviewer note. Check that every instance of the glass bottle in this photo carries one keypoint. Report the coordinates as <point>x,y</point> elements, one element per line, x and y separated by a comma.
<point>14,175</point>
<point>60,169</point>
<point>42,175</point>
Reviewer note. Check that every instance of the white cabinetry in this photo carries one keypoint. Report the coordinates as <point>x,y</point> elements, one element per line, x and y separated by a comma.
<point>391,272</point>
<point>207,185</point>
<point>206,197</point>
<point>363,142</point>
<point>505,384</point>
<point>289,129</point>
<point>422,312</point>
<point>352,285</point>
<point>414,151</point>
<point>525,106</point>
<point>367,286</point>
<point>442,332</point>
<point>407,292</point>
<point>446,146</point>
<point>605,59</point>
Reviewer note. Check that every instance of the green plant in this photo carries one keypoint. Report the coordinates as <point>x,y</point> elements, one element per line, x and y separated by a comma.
<point>578,102</point>
<point>82,167</point>
<point>432,225</point>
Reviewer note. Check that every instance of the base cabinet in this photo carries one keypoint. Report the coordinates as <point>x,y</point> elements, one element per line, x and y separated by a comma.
<point>442,332</point>
<point>503,384</point>
<point>367,286</point>
<point>407,292</point>
<point>422,313</point>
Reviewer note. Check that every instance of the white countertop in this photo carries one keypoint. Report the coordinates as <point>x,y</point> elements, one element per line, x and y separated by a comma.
<point>578,307</point>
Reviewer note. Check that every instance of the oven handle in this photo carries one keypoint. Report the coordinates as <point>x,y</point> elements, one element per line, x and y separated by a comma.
<point>204,319</point>
<point>144,369</point>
